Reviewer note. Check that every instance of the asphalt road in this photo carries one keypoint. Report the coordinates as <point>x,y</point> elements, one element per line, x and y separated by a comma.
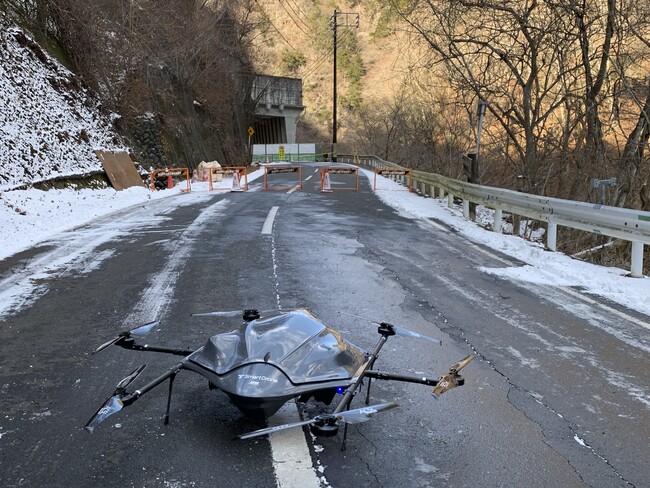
<point>559,394</point>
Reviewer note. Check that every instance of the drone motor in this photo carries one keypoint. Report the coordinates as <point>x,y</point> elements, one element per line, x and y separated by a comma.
<point>326,426</point>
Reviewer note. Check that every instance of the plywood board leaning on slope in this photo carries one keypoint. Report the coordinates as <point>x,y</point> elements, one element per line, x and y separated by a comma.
<point>120,169</point>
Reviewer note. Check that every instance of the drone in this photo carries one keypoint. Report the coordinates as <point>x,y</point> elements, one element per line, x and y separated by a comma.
<point>272,358</point>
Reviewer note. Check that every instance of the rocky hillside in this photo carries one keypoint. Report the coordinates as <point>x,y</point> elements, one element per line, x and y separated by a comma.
<point>50,125</point>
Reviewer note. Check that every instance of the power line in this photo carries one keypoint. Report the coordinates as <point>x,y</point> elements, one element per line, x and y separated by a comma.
<point>295,21</point>
<point>273,25</point>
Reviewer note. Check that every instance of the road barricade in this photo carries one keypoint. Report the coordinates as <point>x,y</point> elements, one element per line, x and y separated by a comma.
<point>169,173</point>
<point>326,183</point>
<point>236,172</point>
<point>282,169</point>
<point>396,174</point>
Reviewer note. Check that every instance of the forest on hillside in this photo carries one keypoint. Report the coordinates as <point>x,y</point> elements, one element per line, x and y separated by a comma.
<point>176,76</point>
<point>566,83</point>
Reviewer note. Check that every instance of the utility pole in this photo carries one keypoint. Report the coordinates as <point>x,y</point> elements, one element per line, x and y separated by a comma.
<point>339,19</point>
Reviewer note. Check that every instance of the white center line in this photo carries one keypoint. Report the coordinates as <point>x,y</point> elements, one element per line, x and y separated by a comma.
<point>267,228</point>
<point>291,458</point>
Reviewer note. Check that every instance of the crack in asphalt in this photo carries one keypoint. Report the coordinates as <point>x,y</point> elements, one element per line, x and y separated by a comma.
<point>458,333</point>
<point>363,459</point>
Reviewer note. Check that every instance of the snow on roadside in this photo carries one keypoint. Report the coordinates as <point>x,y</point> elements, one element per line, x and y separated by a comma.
<point>28,217</point>
<point>542,266</point>
<point>31,216</point>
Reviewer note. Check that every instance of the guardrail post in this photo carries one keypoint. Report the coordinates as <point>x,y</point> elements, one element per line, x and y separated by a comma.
<point>450,201</point>
<point>432,191</point>
<point>466,208</point>
<point>636,270</point>
<point>498,215</point>
<point>551,237</point>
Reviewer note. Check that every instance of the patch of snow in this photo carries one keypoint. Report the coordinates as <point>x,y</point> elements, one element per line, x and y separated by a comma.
<point>49,124</point>
<point>541,266</point>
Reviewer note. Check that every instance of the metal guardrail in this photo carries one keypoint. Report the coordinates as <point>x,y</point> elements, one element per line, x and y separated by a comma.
<point>621,223</point>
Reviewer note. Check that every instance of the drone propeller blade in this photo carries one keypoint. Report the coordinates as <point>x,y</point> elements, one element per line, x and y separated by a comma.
<point>461,364</point>
<point>450,380</point>
<point>359,415</point>
<point>145,328</point>
<point>409,333</point>
<point>234,313</point>
<point>106,344</point>
<point>125,382</point>
<point>445,383</point>
<point>114,403</point>
<point>398,330</point>
<point>276,428</point>
<point>229,313</point>
<point>140,330</point>
<point>110,406</point>
<point>355,416</point>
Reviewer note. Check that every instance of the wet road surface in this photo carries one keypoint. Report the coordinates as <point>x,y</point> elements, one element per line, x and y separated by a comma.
<point>559,394</point>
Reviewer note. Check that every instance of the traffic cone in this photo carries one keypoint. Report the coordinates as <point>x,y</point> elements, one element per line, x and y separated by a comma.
<point>236,183</point>
<point>195,176</point>
<point>327,186</point>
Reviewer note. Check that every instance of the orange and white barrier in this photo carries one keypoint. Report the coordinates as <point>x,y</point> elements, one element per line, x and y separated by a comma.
<point>236,172</point>
<point>326,183</point>
<point>282,169</point>
<point>170,173</point>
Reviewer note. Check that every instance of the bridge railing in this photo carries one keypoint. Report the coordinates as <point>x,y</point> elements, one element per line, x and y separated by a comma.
<point>621,223</point>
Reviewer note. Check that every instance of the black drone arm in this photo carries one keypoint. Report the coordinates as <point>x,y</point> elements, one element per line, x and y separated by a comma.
<point>129,343</point>
<point>121,398</point>
<point>129,398</point>
<point>381,375</point>
<point>385,330</point>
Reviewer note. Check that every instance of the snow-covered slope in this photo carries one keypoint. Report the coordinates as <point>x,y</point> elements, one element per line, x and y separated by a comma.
<point>49,125</point>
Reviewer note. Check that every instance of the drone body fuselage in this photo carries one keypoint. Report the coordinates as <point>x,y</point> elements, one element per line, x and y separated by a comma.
<point>265,362</point>
<point>269,360</point>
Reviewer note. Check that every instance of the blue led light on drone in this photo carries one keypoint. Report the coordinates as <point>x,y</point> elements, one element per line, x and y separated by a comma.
<point>340,389</point>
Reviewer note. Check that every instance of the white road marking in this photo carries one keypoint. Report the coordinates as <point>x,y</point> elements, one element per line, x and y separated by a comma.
<point>295,188</point>
<point>267,228</point>
<point>308,178</point>
<point>291,458</point>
